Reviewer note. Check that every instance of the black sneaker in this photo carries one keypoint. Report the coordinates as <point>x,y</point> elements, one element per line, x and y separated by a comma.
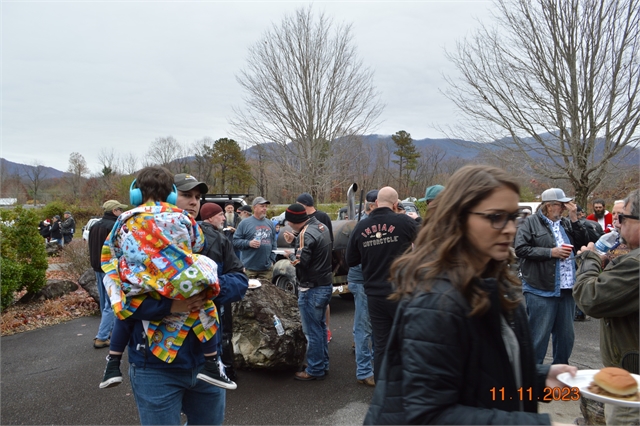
<point>230,372</point>
<point>213,373</point>
<point>112,375</point>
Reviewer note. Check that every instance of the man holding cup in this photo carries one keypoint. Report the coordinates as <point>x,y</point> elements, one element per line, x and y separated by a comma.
<point>545,244</point>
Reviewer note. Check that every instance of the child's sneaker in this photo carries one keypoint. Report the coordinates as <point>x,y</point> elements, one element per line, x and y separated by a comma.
<point>213,373</point>
<point>112,375</point>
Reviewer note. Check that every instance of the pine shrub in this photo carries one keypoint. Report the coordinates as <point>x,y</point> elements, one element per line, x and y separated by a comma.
<point>23,254</point>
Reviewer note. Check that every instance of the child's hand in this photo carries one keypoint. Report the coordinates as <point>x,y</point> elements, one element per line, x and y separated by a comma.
<point>194,303</point>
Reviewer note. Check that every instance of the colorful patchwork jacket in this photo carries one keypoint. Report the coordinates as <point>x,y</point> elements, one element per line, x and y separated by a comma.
<point>149,253</point>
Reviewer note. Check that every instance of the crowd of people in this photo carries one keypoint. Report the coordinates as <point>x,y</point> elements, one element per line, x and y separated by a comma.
<point>440,318</point>
<point>57,230</point>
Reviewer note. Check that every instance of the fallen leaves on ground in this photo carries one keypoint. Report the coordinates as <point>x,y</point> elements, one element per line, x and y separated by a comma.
<point>22,317</point>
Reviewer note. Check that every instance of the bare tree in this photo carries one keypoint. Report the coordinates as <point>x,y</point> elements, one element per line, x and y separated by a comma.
<point>428,169</point>
<point>307,93</point>
<point>203,151</point>
<point>107,157</point>
<point>561,79</point>
<point>361,168</point>
<point>128,163</point>
<point>36,173</point>
<point>79,171</point>
<point>166,152</point>
<point>259,172</point>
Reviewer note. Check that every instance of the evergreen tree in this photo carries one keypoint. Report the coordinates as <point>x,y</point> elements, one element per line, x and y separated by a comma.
<point>407,157</point>
<point>232,173</point>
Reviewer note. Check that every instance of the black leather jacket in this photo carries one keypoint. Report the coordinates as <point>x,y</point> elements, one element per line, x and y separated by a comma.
<point>533,244</point>
<point>313,267</point>
<point>441,364</point>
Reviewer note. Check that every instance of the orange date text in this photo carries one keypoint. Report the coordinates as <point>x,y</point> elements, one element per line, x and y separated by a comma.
<point>526,394</point>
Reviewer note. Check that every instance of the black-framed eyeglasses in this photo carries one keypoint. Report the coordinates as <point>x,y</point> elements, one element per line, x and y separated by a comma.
<point>500,220</point>
<point>622,217</point>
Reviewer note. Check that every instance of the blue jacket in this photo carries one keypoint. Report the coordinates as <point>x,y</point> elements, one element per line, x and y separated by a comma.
<point>232,288</point>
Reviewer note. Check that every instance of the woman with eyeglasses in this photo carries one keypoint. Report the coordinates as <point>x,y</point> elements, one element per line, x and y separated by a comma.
<point>545,245</point>
<point>460,351</point>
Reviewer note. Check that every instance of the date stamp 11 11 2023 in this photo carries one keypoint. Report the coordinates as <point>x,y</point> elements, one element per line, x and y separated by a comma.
<point>526,394</point>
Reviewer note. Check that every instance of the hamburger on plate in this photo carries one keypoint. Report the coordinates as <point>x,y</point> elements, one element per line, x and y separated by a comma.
<point>615,382</point>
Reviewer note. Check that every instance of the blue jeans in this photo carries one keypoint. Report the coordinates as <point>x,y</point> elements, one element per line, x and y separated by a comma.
<point>362,333</point>
<point>551,316</point>
<point>313,305</point>
<point>106,322</point>
<point>162,393</point>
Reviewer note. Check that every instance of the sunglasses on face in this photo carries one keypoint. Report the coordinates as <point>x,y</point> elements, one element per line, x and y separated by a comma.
<point>500,220</point>
<point>622,217</point>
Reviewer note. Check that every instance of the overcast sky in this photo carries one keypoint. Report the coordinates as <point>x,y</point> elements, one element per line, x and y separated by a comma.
<point>82,76</point>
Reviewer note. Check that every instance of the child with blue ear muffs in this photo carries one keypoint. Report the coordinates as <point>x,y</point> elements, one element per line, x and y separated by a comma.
<point>150,253</point>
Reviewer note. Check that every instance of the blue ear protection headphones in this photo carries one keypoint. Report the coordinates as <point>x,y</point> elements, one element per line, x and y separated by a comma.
<point>135,195</point>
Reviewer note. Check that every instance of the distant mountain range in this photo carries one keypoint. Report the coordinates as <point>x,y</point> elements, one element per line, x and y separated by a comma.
<point>466,150</point>
<point>9,168</point>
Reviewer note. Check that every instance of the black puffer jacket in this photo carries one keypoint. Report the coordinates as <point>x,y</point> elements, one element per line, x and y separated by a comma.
<point>533,244</point>
<point>97,235</point>
<point>314,266</point>
<point>55,231</point>
<point>441,364</point>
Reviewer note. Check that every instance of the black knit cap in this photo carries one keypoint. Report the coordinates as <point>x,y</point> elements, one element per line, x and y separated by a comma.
<point>305,199</point>
<point>296,213</point>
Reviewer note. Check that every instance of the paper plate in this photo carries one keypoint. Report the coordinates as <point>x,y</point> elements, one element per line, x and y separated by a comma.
<point>582,380</point>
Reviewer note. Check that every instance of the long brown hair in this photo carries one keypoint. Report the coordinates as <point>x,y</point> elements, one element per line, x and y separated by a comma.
<point>442,245</point>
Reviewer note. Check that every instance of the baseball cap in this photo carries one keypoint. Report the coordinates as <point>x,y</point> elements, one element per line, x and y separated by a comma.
<point>260,200</point>
<point>371,196</point>
<point>186,182</point>
<point>112,205</point>
<point>296,213</point>
<point>209,210</point>
<point>246,209</point>
<point>555,194</point>
<point>305,199</point>
<point>432,192</point>
<point>57,217</point>
<point>67,212</point>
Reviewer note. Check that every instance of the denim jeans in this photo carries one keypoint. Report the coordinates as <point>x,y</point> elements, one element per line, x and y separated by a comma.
<point>362,333</point>
<point>162,393</point>
<point>381,313</point>
<point>551,316</point>
<point>106,322</point>
<point>313,306</point>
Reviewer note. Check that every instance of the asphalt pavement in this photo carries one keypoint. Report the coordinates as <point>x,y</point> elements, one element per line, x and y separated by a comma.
<point>51,376</point>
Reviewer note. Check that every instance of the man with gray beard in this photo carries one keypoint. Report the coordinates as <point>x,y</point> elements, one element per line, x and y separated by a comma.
<point>611,294</point>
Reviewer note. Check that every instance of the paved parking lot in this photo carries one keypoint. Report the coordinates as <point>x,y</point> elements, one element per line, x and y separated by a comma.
<point>51,376</point>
